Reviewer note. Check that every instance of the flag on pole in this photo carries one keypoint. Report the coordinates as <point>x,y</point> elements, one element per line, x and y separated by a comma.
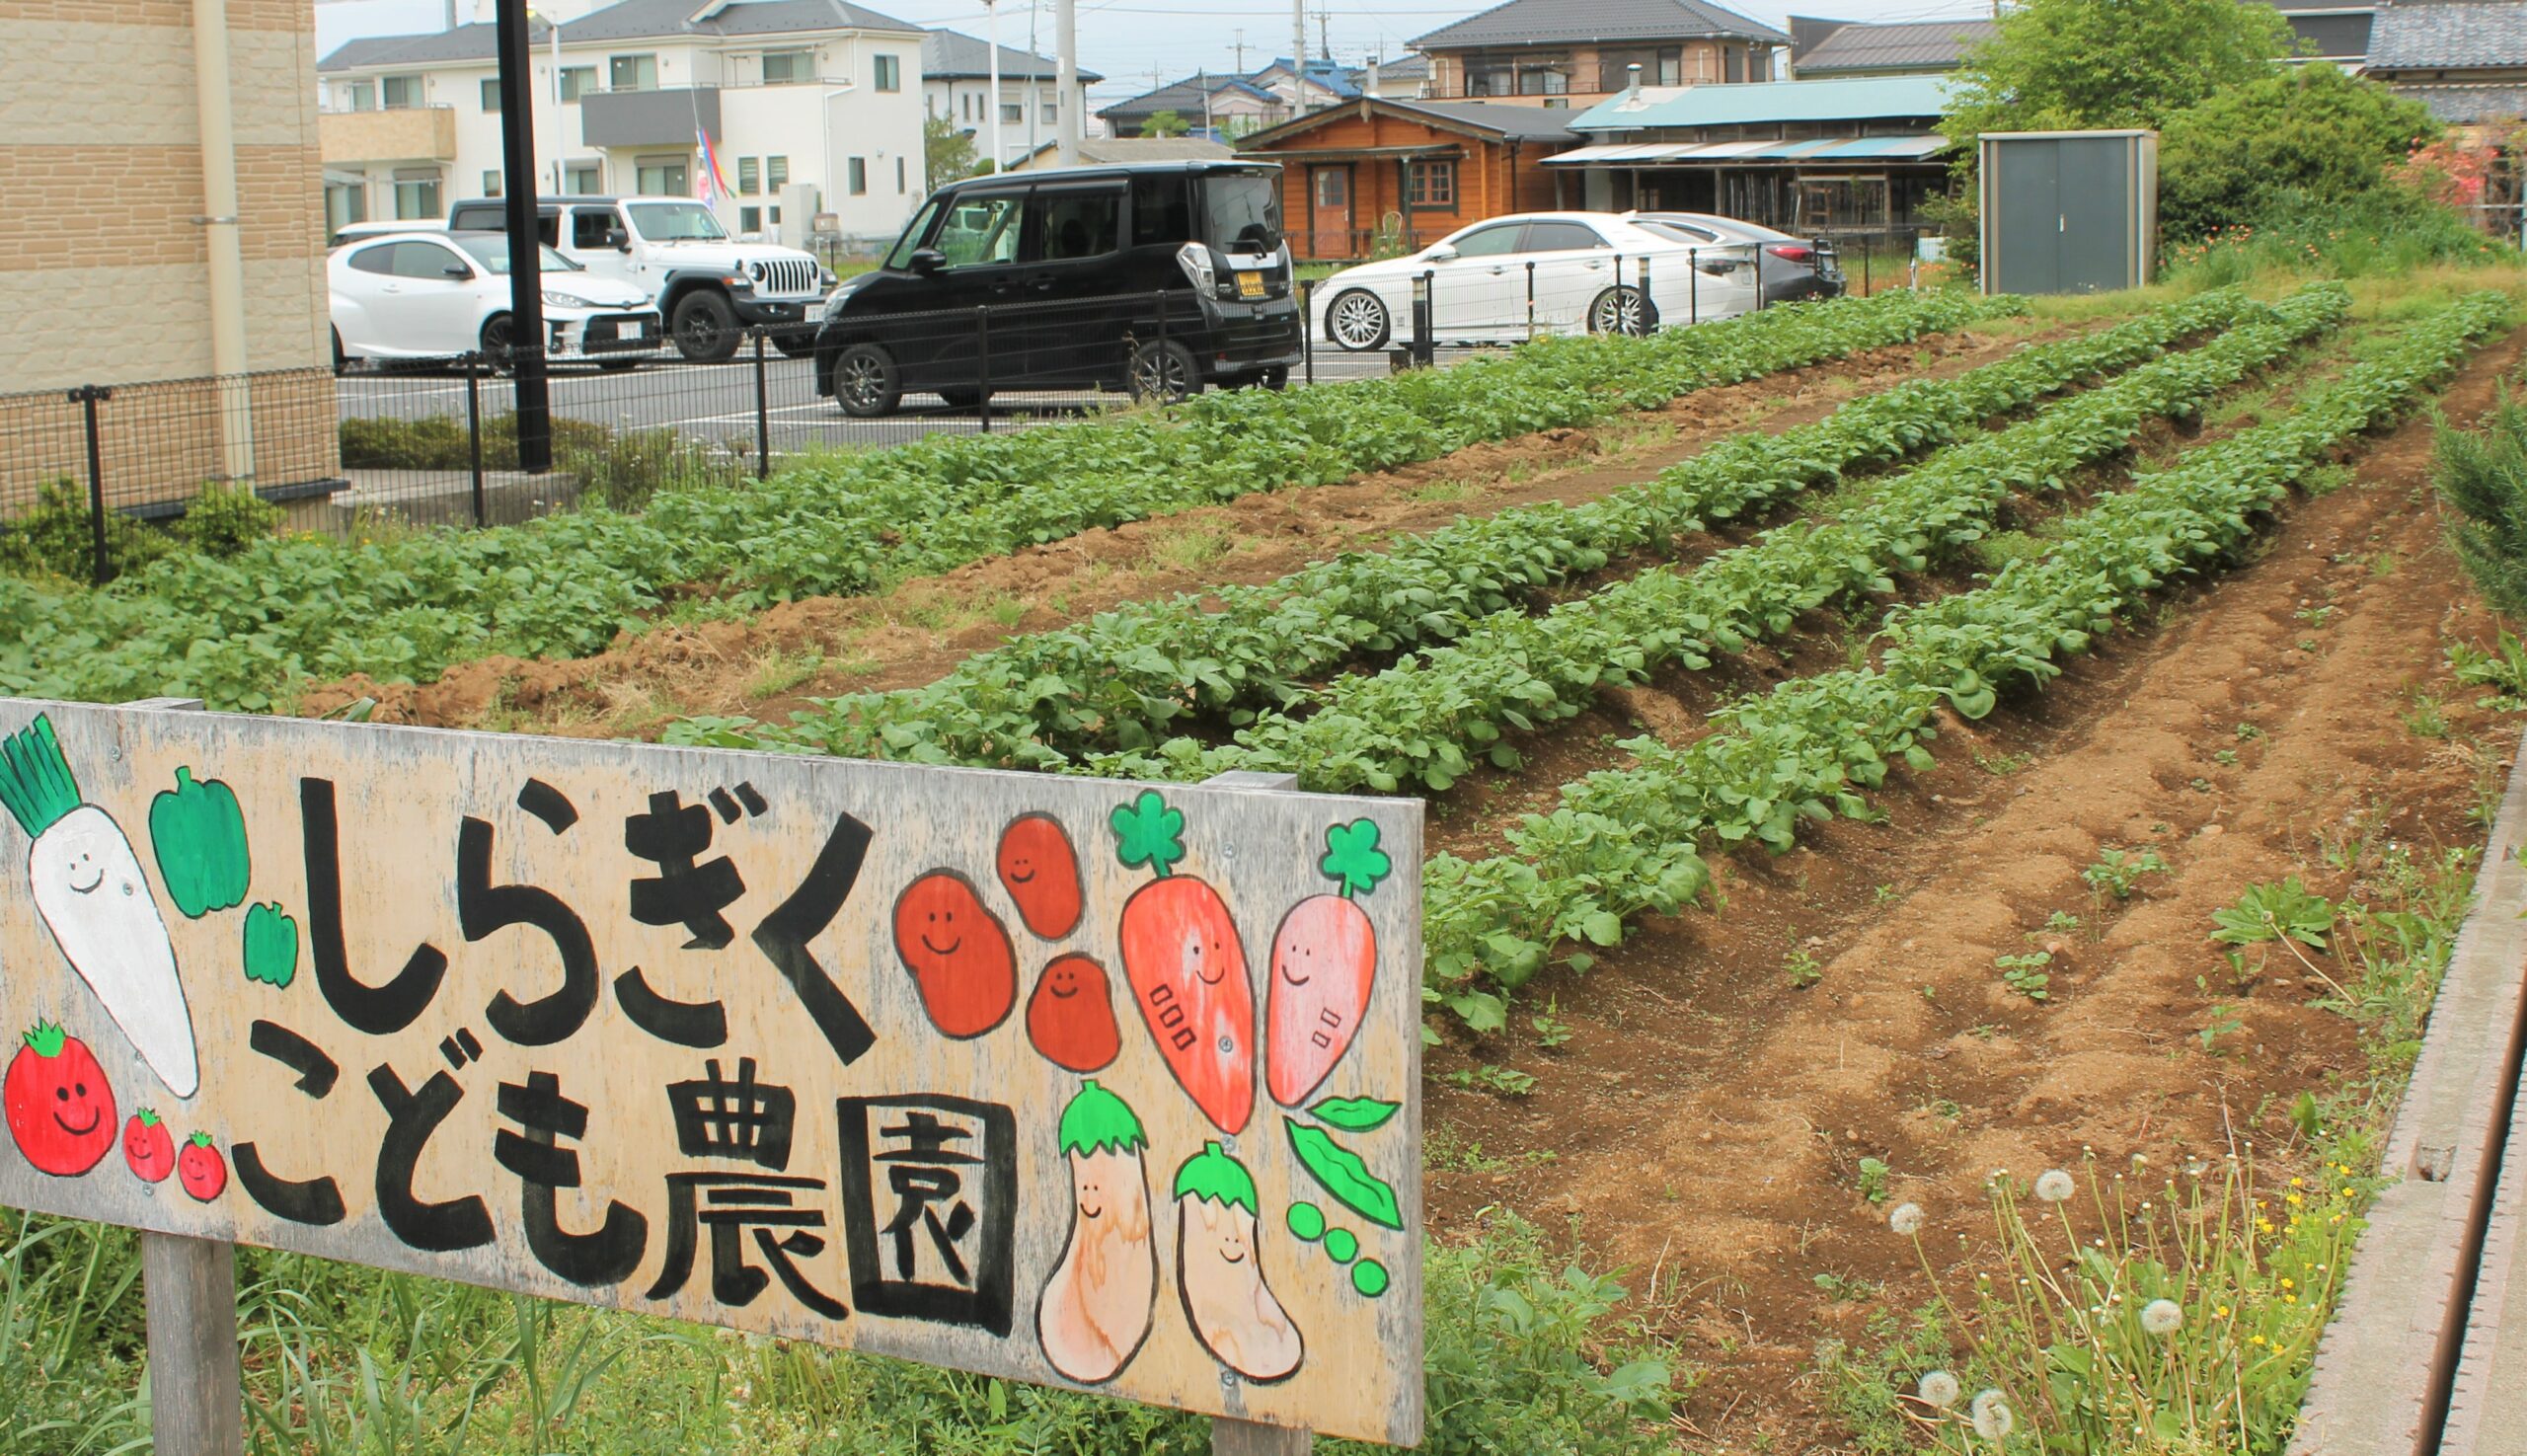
<point>714,187</point>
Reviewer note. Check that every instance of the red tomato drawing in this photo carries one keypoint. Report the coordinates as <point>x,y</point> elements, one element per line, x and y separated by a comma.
<point>61,1112</point>
<point>1187,971</point>
<point>958,953</point>
<point>148,1147</point>
<point>1041,871</point>
<point>200,1169</point>
<point>1071,1017</point>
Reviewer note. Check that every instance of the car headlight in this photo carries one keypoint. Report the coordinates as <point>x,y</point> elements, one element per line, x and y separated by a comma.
<point>559,299</point>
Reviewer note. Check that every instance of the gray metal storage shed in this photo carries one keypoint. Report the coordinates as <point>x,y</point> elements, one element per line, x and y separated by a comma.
<point>2069,211</point>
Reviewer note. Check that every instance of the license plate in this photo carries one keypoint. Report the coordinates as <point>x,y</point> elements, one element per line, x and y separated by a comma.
<point>1250,285</point>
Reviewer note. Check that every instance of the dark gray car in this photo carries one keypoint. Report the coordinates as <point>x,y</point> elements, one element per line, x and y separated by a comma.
<point>1791,267</point>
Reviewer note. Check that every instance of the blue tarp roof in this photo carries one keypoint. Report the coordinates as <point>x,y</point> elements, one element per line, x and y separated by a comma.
<point>1848,99</point>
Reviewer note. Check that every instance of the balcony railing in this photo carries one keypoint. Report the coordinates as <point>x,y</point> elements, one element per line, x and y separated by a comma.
<point>403,134</point>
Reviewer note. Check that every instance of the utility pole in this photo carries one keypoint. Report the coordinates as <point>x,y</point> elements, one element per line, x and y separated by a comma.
<point>1324,35</point>
<point>1241,50</point>
<point>1035,76</point>
<point>991,41</point>
<point>1067,77</point>
<point>526,282</point>
<point>1298,57</point>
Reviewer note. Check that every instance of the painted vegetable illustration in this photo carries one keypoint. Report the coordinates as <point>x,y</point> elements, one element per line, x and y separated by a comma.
<point>1340,1172</point>
<point>1325,958</point>
<point>61,1112</point>
<point>1041,871</point>
<point>1219,1271</point>
<point>1096,1309</point>
<point>148,1148</point>
<point>199,835</point>
<point>93,897</point>
<point>200,1169</point>
<point>958,953</point>
<point>272,946</point>
<point>1070,1017</point>
<point>1187,967</point>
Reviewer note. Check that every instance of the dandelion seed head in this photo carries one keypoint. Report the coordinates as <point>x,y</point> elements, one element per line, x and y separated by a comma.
<point>1938,1390</point>
<point>1906,1220</point>
<point>2053,1185</point>
<point>2161,1317</point>
<point>1993,1419</point>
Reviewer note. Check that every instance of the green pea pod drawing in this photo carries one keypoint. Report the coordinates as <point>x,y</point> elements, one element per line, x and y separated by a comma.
<point>1340,1172</point>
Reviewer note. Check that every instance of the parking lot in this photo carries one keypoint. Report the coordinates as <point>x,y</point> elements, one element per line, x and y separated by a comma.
<point>719,402</point>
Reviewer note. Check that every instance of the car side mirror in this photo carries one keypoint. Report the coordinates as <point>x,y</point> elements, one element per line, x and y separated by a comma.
<point>928,261</point>
<point>1440,253</point>
<point>457,270</point>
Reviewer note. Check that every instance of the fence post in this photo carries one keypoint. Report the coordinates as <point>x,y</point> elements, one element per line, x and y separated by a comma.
<point>1646,324</point>
<point>189,1286</point>
<point>474,430</point>
<point>1618,318</point>
<point>982,365</point>
<point>1864,269</point>
<point>1425,321</point>
<point>762,410</point>
<point>1229,1435</point>
<point>1693,285</point>
<point>1758,250</point>
<point>1307,330</point>
<point>101,569</point>
<point>1161,297</point>
<point>1531,300</point>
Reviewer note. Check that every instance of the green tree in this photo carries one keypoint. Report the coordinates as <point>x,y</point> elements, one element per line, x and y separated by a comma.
<point>2308,137</point>
<point>2063,64</point>
<point>947,152</point>
<point>1168,122</point>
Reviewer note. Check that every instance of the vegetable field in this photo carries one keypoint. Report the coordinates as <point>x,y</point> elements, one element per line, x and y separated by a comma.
<point>1881,757</point>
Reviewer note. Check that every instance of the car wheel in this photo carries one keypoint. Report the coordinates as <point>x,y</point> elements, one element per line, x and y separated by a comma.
<point>499,344</point>
<point>1164,372</point>
<point>1622,311</point>
<point>1356,319</point>
<point>865,382</point>
<point>706,328</point>
<point>340,361</point>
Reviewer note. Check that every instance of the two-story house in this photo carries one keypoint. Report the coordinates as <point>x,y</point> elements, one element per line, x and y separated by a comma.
<point>811,106</point>
<point>1575,53</point>
<point>1828,50</point>
<point>955,83</point>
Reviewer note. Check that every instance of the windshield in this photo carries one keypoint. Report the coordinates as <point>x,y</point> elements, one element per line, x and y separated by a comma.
<point>902,258</point>
<point>491,250</point>
<point>1241,211</point>
<point>676,222</point>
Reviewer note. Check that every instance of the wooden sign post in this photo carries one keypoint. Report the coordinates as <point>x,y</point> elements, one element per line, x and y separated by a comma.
<point>1099,1085</point>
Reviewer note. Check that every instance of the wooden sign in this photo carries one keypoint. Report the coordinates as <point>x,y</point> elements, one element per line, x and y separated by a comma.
<point>1104,1085</point>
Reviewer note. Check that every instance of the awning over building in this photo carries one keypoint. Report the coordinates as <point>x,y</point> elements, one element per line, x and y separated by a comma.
<point>1751,153</point>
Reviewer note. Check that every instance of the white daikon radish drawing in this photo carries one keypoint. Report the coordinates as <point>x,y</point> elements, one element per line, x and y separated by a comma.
<point>90,890</point>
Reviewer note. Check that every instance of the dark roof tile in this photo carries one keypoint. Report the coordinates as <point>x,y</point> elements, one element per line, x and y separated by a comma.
<point>1580,22</point>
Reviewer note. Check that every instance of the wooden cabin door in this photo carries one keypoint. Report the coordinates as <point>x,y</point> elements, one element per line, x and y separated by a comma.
<point>1329,212</point>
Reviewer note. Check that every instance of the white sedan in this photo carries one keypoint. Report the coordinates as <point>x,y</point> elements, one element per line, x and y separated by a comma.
<point>423,295</point>
<point>1485,278</point>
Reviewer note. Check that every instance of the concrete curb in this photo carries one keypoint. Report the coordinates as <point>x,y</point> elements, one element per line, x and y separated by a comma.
<point>2383,1364</point>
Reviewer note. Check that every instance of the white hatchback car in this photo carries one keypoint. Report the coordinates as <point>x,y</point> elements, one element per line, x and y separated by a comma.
<point>1482,278</point>
<point>423,295</point>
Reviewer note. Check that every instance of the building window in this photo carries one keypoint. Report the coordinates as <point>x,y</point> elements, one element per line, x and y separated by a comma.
<point>492,182</point>
<point>887,72</point>
<point>859,176</point>
<point>1434,184</point>
<point>356,96</point>
<point>749,219</point>
<point>1548,78</point>
<point>1736,60</point>
<point>1052,113</point>
<point>789,67</point>
<point>775,212</point>
<point>662,177</point>
<point>346,202</point>
<point>1012,112</point>
<point>397,93</point>
<point>750,177</point>
<point>584,179</point>
<point>490,93</point>
<point>900,176</point>
<point>632,74</point>
<point>416,196</point>
<point>578,81</point>
<point>776,174</point>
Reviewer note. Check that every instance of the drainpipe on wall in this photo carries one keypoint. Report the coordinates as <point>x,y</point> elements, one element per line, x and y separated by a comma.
<point>225,260</point>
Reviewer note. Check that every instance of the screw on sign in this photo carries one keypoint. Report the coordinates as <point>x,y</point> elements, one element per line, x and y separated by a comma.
<point>733,1038</point>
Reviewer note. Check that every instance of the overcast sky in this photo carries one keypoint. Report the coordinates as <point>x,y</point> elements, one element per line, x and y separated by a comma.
<point>1130,40</point>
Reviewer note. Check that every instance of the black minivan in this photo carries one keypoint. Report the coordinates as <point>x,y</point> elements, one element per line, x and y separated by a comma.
<point>1154,278</point>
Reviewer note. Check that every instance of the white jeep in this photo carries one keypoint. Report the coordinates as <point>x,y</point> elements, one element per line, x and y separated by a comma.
<point>709,287</point>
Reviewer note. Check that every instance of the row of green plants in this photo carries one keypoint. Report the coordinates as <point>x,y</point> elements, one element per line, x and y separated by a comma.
<point>56,535</point>
<point>1425,720</point>
<point>1627,841</point>
<point>241,632</point>
<point>1144,673</point>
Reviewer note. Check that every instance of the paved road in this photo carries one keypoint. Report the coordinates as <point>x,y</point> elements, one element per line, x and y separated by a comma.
<point>718,401</point>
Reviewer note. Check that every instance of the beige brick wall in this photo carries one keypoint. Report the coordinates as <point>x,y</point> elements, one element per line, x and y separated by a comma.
<point>102,269</point>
